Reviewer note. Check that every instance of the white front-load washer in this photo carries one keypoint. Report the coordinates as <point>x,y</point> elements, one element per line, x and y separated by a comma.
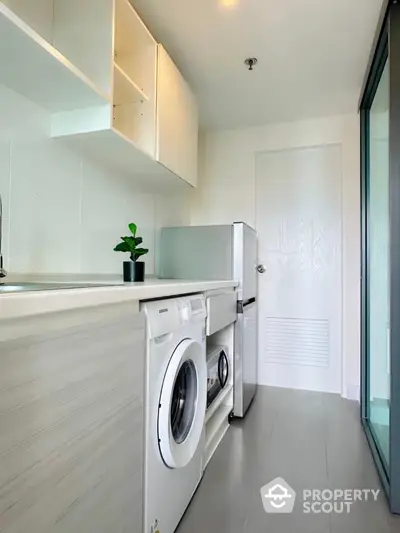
<point>176,399</point>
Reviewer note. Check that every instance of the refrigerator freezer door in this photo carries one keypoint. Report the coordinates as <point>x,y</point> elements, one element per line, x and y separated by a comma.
<point>245,260</point>
<point>196,252</point>
<point>246,359</point>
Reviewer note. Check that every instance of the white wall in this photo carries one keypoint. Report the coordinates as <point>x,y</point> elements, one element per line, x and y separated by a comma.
<point>62,213</point>
<point>227,193</point>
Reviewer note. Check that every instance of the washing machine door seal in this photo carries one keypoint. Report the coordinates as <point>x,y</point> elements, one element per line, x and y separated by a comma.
<point>182,405</point>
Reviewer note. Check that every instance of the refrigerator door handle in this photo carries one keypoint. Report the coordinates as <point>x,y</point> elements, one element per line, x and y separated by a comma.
<point>241,305</point>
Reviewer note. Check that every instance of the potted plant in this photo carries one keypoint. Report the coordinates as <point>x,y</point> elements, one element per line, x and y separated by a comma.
<point>134,270</point>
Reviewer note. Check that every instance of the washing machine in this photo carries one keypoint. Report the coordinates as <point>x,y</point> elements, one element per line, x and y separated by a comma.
<point>176,399</point>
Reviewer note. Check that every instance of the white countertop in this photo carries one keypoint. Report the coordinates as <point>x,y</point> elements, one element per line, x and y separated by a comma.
<point>27,303</point>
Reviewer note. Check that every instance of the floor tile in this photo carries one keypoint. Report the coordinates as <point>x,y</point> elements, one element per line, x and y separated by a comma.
<point>313,441</point>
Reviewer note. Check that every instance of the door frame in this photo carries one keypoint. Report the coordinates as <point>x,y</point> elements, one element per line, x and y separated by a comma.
<point>387,50</point>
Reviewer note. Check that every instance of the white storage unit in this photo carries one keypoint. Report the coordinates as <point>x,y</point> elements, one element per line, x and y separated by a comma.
<point>34,68</point>
<point>120,133</point>
<point>221,317</point>
<point>93,64</point>
<point>218,413</point>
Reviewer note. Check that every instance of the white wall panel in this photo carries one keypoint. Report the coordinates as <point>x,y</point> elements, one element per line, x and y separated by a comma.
<point>44,206</point>
<point>63,213</point>
<point>105,218</point>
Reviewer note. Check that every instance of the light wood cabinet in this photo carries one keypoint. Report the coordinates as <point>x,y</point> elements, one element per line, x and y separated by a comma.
<point>72,421</point>
<point>134,78</point>
<point>113,93</point>
<point>177,121</point>
<point>120,133</point>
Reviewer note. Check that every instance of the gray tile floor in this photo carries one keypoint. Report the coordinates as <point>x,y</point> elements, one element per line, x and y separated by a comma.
<point>313,441</point>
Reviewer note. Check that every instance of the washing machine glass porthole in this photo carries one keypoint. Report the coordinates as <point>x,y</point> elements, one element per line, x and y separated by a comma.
<point>223,369</point>
<point>183,404</point>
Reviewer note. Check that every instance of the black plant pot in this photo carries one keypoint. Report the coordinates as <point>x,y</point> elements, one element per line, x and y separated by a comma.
<point>134,271</point>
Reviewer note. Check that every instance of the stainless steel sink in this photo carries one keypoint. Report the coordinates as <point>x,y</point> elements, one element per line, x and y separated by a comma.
<point>26,287</point>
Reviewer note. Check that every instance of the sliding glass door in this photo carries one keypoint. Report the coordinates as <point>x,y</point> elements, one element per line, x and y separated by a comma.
<point>378,274</point>
<point>380,185</point>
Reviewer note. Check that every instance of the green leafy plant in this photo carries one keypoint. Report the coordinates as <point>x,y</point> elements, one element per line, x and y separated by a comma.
<point>131,244</point>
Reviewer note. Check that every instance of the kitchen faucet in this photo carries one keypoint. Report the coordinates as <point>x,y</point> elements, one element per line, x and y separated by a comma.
<point>3,273</point>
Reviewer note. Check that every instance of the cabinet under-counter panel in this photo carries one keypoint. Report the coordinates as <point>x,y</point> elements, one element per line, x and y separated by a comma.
<point>71,419</point>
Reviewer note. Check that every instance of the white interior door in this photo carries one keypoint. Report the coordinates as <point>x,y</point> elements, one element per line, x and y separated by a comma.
<point>298,210</point>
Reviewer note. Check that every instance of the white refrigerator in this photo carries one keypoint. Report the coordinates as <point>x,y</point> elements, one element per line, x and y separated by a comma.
<point>221,253</point>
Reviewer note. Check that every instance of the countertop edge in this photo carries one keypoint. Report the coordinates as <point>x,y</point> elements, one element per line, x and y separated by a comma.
<point>18,305</point>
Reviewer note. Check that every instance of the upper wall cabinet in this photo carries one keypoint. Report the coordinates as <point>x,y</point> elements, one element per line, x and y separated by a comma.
<point>94,65</point>
<point>177,121</point>
<point>32,66</point>
<point>119,133</point>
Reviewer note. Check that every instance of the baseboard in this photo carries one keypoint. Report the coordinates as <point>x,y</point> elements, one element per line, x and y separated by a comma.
<point>353,393</point>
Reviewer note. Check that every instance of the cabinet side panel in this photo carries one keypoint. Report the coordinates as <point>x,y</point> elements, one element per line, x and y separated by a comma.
<point>71,443</point>
<point>38,14</point>
<point>135,54</point>
<point>177,121</point>
<point>146,137</point>
<point>83,33</point>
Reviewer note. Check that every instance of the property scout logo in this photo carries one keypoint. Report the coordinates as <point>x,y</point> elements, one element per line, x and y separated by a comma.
<point>279,497</point>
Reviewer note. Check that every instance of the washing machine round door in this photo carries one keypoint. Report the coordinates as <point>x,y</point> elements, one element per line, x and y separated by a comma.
<point>182,404</point>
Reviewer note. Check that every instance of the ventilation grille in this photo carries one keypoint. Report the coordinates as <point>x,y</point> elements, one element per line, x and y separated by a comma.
<point>297,341</point>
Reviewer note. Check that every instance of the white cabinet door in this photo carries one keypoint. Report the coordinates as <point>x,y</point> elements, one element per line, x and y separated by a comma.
<point>177,121</point>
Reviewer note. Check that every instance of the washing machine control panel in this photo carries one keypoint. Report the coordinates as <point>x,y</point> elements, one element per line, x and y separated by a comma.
<point>192,308</point>
<point>165,316</point>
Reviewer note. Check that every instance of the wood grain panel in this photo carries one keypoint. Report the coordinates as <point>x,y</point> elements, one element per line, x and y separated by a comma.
<point>177,121</point>
<point>71,421</point>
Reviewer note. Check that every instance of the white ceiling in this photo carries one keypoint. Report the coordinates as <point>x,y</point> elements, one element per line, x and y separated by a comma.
<point>312,55</point>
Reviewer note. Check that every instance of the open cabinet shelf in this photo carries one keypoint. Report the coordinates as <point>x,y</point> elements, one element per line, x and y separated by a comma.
<point>120,135</point>
<point>216,419</point>
<point>216,422</point>
<point>134,47</point>
<point>125,90</point>
<point>33,68</point>
<point>219,400</point>
<point>216,428</point>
